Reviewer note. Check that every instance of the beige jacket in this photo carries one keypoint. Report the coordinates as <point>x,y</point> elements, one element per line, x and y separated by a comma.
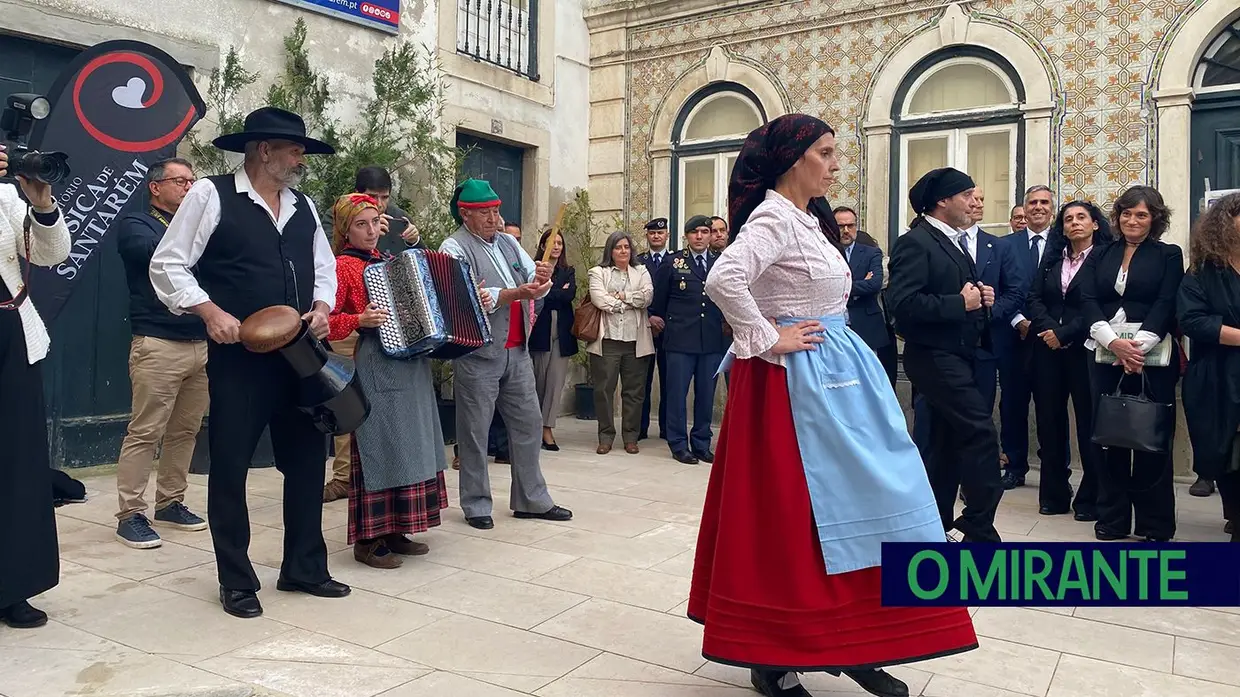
<point>48,246</point>
<point>635,301</point>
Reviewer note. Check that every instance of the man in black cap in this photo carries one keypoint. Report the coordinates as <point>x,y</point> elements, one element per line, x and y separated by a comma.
<point>694,342</point>
<point>239,243</point>
<point>655,255</point>
<point>941,309</point>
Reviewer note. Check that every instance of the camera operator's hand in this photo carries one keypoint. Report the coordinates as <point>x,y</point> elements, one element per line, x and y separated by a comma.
<point>38,193</point>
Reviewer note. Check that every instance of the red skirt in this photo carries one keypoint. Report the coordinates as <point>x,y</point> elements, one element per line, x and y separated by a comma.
<point>405,510</point>
<point>760,586</point>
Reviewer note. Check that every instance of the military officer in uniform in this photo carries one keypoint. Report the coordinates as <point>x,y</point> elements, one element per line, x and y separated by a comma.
<point>693,340</point>
<point>655,255</point>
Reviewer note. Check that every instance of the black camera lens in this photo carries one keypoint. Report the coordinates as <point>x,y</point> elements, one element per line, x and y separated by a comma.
<point>48,167</point>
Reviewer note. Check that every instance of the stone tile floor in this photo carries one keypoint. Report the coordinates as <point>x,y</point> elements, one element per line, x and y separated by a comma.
<point>592,608</point>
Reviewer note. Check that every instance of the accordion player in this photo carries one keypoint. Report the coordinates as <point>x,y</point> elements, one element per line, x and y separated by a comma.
<point>432,303</point>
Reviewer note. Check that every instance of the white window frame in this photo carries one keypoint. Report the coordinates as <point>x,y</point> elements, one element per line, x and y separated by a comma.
<point>1199,73</point>
<point>909,117</point>
<point>705,102</point>
<point>723,173</point>
<point>957,156</point>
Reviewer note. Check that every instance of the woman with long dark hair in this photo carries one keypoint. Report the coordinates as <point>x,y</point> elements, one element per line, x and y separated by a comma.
<point>551,340</point>
<point>1061,361</point>
<point>1209,313</point>
<point>814,468</point>
<point>1133,282</point>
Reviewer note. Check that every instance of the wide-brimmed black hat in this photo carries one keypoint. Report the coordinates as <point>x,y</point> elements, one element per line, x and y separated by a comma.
<point>270,123</point>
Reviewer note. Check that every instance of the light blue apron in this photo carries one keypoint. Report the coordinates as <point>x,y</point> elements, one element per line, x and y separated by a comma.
<point>867,483</point>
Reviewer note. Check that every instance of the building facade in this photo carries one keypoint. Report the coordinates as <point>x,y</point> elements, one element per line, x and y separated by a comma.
<point>516,76</point>
<point>1088,96</point>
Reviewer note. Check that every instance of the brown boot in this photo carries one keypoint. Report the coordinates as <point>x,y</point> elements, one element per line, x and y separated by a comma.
<point>335,490</point>
<point>376,554</point>
<point>403,545</point>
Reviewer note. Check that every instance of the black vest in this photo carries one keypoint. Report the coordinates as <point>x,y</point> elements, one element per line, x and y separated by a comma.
<point>248,264</point>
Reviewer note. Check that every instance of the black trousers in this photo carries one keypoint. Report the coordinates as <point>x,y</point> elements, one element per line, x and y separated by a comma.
<point>964,446</point>
<point>250,392</point>
<point>1229,490</point>
<point>889,357</point>
<point>1131,483</point>
<point>1058,376</point>
<point>659,363</point>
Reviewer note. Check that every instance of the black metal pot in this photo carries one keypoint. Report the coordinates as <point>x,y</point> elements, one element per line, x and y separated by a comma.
<point>583,401</point>
<point>329,390</point>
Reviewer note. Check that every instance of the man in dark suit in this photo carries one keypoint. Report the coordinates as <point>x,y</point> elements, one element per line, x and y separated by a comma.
<point>655,256</point>
<point>885,348</point>
<point>942,310</point>
<point>693,340</point>
<point>864,314</point>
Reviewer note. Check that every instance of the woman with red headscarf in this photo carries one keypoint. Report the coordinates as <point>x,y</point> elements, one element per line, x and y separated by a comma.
<point>814,468</point>
<point>396,485</point>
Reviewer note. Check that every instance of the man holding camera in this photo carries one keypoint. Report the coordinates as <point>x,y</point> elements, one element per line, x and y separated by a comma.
<point>30,233</point>
<point>168,371</point>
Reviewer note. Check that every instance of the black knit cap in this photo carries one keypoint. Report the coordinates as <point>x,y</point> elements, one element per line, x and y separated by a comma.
<point>936,185</point>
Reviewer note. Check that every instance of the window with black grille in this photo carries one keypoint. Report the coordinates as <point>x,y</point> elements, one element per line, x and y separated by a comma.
<point>503,33</point>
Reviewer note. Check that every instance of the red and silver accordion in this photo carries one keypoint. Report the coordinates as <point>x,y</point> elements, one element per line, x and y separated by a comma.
<point>432,303</point>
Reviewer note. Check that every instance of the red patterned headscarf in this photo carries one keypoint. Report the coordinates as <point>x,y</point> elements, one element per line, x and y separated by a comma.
<point>344,211</point>
<point>768,153</point>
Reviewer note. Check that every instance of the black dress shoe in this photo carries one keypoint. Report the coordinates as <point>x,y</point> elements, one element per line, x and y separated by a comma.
<point>1011,481</point>
<point>1052,510</point>
<point>327,589</point>
<point>877,682</point>
<point>707,456</point>
<point>685,458</point>
<point>551,447</point>
<point>482,522</point>
<point>243,604</point>
<point>1085,516</point>
<point>556,513</point>
<point>1108,536</point>
<point>22,616</point>
<point>766,682</point>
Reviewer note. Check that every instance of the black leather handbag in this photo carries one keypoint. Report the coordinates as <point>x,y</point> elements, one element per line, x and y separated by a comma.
<point>1134,422</point>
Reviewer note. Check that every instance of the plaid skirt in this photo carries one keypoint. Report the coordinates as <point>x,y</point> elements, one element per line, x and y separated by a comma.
<point>403,510</point>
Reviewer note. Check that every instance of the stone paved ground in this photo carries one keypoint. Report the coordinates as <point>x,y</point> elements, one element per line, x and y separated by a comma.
<point>594,608</point>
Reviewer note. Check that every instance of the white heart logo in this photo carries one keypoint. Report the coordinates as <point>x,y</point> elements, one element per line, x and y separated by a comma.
<point>130,94</point>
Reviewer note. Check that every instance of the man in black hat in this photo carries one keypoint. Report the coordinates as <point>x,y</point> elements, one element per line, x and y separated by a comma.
<point>655,255</point>
<point>239,243</point>
<point>941,309</point>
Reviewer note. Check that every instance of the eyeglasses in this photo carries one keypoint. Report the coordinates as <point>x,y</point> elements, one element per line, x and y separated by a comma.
<point>848,226</point>
<point>179,181</point>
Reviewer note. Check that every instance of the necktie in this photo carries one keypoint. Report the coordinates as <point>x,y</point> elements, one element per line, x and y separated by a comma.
<point>964,244</point>
<point>658,259</point>
<point>701,265</point>
<point>848,254</point>
<point>1034,247</point>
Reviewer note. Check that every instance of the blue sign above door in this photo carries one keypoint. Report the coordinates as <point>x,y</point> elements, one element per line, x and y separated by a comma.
<point>383,15</point>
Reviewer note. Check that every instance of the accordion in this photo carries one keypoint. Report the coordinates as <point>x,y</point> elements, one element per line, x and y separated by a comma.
<point>432,303</point>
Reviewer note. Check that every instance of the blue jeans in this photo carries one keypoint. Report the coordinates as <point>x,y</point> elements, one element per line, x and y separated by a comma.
<point>683,368</point>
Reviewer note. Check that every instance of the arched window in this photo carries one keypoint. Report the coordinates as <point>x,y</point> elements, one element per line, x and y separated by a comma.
<point>707,137</point>
<point>1219,68</point>
<point>960,108</point>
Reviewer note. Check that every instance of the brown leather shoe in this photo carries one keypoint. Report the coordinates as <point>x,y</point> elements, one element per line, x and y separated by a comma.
<point>456,463</point>
<point>376,554</point>
<point>335,490</point>
<point>403,545</point>
<point>631,448</point>
<point>603,449</point>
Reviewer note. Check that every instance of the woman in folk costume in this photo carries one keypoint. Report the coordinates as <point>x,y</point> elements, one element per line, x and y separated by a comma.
<point>815,468</point>
<point>396,486</point>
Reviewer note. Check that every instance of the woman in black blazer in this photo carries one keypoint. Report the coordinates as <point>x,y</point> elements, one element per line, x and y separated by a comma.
<point>1134,280</point>
<point>1209,312</point>
<point>1061,361</point>
<point>551,340</point>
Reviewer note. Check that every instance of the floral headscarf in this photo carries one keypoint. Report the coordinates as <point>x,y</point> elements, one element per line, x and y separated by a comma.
<point>344,212</point>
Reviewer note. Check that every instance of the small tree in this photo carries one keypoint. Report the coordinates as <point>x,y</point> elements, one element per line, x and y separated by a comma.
<point>225,83</point>
<point>581,229</point>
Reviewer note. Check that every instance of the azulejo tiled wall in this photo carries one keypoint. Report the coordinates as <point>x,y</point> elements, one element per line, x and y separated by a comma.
<point>825,55</point>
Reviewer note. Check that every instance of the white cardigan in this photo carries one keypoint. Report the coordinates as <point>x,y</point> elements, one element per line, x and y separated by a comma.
<point>49,246</point>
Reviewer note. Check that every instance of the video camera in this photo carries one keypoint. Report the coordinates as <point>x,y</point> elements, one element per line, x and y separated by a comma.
<point>20,113</point>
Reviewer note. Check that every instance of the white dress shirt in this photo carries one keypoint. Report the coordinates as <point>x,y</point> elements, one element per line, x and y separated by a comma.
<point>1029,235</point>
<point>194,224</point>
<point>48,246</point>
<point>952,233</point>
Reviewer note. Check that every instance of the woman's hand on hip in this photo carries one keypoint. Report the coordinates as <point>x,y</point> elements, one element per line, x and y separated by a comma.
<point>798,337</point>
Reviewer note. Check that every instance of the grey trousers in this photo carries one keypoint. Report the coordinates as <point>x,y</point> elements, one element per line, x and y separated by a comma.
<point>619,362</point>
<point>482,384</point>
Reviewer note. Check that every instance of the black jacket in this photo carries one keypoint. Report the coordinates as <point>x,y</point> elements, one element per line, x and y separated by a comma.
<point>560,299</point>
<point>864,314</point>
<point>1048,307</point>
<point>927,273</point>
<point>137,235</point>
<point>693,323</point>
<point>1209,299</point>
<point>1154,275</point>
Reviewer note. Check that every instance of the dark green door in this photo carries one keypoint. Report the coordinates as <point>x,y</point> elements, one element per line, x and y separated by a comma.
<point>498,164</point>
<point>1215,145</point>
<point>86,376</point>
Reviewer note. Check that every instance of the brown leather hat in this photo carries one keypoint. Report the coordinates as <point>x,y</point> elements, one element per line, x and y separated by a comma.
<point>271,328</point>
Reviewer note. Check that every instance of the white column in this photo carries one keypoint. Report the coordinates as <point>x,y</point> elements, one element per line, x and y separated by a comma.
<point>877,180</point>
<point>1038,145</point>
<point>1175,161</point>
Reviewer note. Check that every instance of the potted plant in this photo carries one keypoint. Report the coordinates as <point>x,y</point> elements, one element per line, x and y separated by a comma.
<point>581,229</point>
